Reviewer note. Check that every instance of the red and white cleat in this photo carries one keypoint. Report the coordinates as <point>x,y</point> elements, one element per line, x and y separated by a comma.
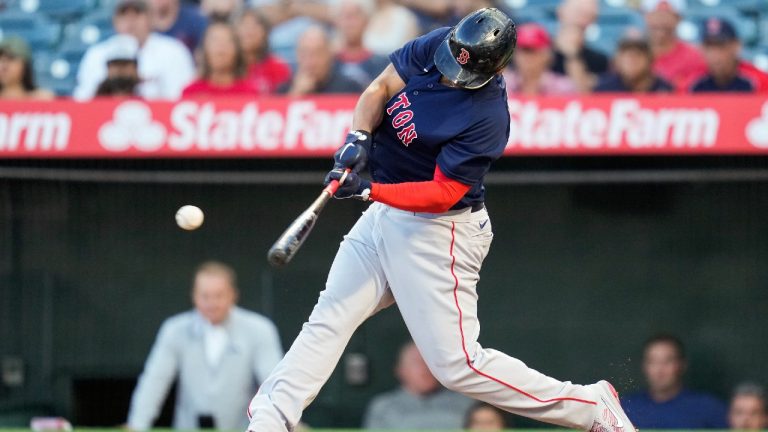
<point>610,415</point>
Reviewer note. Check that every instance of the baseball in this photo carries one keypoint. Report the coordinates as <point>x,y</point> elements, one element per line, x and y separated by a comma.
<point>189,217</point>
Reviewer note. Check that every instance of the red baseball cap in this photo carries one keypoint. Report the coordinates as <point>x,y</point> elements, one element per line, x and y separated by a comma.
<point>533,36</point>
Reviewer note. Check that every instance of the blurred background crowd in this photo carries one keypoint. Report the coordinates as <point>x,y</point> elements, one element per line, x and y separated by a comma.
<point>166,49</point>
<point>215,383</point>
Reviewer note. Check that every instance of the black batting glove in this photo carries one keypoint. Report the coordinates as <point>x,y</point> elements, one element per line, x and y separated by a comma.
<point>353,186</point>
<point>354,153</point>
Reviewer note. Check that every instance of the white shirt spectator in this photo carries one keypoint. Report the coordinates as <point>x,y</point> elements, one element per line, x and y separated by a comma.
<point>247,348</point>
<point>390,27</point>
<point>165,67</point>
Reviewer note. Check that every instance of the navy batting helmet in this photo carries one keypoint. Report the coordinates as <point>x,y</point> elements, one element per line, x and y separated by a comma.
<point>477,48</point>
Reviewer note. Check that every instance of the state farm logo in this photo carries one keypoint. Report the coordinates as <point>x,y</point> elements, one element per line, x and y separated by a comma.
<point>205,126</point>
<point>757,130</point>
<point>625,123</point>
<point>132,125</point>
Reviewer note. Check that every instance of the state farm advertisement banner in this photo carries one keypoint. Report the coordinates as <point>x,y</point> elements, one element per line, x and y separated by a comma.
<point>284,127</point>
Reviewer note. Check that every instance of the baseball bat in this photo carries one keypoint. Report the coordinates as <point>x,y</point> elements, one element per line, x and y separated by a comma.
<point>286,246</point>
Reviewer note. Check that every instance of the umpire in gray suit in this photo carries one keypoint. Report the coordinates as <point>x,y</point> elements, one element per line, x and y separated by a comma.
<point>219,353</point>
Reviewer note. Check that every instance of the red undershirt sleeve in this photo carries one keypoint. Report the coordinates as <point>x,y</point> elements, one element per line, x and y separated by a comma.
<point>435,196</point>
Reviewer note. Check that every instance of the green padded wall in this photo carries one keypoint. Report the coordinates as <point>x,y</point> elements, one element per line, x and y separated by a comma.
<point>577,278</point>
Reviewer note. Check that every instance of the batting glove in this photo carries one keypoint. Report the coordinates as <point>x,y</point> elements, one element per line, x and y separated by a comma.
<point>354,153</point>
<point>353,186</point>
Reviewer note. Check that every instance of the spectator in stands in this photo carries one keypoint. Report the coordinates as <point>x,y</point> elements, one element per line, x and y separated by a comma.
<point>721,50</point>
<point>749,408</point>
<point>667,404</point>
<point>531,75</point>
<point>351,19</point>
<point>633,66</point>
<point>420,402</point>
<point>17,77</point>
<point>181,21</point>
<point>317,71</point>
<point>165,64</point>
<point>122,68</point>
<point>221,10</point>
<point>674,60</point>
<point>218,352</point>
<point>461,8</point>
<point>483,417</point>
<point>431,13</point>
<point>222,65</point>
<point>390,27</point>
<point>265,70</point>
<point>572,55</point>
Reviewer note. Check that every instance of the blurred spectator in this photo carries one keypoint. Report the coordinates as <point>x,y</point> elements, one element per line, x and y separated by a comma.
<point>722,50</point>
<point>483,417</point>
<point>531,75</point>
<point>667,404</point>
<point>572,56</point>
<point>676,61</point>
<point>17,77</point>
<point>219,353</point>
<point>165,64</point>
<point>221,9</point>
<point>420,403</point>
<point>222,66</point>
<point>351,19</point>
<point>749,408</point>
<point>633,66</point>
<point>122,68</point>
<point>431,13</point>
<point>265,70</point>
<point>390,27</point>
<point>181,21</point>
<point>461,8</point>
<point>317,71</point>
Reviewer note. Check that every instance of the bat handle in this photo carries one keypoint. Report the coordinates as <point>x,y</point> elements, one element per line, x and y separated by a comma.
<point>333,186</point>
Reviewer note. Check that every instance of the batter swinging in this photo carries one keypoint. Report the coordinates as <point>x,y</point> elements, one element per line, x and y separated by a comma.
<point>439,118</point>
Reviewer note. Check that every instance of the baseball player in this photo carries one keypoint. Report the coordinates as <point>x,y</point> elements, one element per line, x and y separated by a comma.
<point>428,128</point>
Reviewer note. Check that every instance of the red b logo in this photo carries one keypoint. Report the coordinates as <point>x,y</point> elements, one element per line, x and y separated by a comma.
<point>463,57</point>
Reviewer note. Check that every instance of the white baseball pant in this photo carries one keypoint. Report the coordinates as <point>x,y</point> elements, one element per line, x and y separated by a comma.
<point>429,264</point>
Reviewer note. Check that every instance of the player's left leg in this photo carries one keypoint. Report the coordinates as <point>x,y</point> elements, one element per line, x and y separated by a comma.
<point>432,265</point>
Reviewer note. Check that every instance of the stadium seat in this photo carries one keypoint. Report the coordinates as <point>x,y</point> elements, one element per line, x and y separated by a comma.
<point>531,15</point>
<point>58,71</point>
<point>742,5</point>
<point>58,9</point>
<point>38,31</point>
<point>611,26</point>
<point>517,5</point>
<point>615,4</point>
<point>93,28</point>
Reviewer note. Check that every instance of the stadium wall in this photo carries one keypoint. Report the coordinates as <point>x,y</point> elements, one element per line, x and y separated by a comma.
<point>578,276</point>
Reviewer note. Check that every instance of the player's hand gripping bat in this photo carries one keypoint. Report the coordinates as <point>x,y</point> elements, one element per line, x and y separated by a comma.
<point>291,240</point>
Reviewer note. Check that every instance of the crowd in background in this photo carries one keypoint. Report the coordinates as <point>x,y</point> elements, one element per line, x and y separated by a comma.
<point>166,49</point>
<point>219,353</point>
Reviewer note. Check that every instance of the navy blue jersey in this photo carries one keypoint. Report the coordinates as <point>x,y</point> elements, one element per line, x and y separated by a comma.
<point>739,84</point>
<point>428,124</point>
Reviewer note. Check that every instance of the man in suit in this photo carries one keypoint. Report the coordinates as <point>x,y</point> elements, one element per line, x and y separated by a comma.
<point>219,353</point>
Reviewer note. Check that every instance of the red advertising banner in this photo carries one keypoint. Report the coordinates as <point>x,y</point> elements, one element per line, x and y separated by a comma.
<point>315,127</point>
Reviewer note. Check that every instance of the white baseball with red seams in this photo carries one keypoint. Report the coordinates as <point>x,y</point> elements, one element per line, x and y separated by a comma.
<point>439,306</point>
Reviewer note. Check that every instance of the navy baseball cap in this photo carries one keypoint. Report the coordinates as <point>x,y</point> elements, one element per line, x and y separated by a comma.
<point>715,30</point>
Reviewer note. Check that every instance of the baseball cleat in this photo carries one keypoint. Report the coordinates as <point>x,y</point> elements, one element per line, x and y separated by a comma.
<point>610,415</point>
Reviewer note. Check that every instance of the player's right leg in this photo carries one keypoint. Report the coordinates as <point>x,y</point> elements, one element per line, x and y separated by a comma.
<point>434,282</point>
<point>355,289</point>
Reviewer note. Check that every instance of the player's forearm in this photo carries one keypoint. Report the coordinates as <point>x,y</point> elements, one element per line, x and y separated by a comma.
<point>370,108</point>
<point>429,196</point>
